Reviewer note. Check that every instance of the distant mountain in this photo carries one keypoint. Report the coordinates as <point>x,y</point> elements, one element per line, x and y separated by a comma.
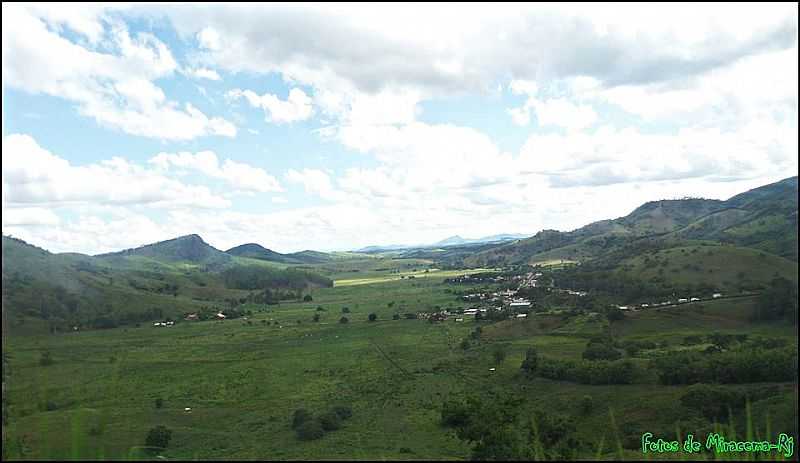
<point>189,248</point>
<point>764,218</point>
<point>256,251</point>
<point>445,243</point>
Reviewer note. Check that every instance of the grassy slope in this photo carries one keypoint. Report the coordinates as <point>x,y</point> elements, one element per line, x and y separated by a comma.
<point>724,267</point>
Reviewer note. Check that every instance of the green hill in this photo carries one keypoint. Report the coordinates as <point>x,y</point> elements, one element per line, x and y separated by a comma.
<point>764,218</point>
<point>256,251</point>
<point>189,248</point>
<point>42,290</point>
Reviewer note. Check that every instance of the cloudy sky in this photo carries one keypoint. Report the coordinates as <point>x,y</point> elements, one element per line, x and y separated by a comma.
<point>335,127</point>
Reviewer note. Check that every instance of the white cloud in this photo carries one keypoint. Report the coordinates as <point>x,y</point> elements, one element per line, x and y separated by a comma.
<point>115,88</point>
<point>203,73</point>
<point>32,176</point>
<point>238,175</point>
<point>296,107</point>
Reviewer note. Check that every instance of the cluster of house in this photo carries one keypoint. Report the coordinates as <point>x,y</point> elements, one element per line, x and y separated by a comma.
<point>195,316</point>
<point>682,300</point>
<point>529,280</point>
<point>479,278</point>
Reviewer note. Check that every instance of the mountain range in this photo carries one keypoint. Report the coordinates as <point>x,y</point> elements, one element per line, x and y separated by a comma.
<point>744,240</point>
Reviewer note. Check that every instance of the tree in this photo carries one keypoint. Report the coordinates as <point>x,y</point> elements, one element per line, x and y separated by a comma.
<point>343,320</point>
<point>343,411</point>
<point>158,437</point>
<point>46,359</point>
<point>310,430</point>
<point>779,301</point>
<point>307,298</point>
<point>614,315</point>
<point>316,317</point>
<point>586,405</point>
<point>345,309</point>
<point>372,317</point>
<point>396,316</point>
<point>330,421</point>
<point>159,402</point>
<point>499,354</point>
<point>596,351</point>
<point>300,416</point>
<point>531,362</point>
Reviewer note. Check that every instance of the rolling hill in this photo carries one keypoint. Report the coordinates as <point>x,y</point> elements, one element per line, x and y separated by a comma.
<point>43,290</point>
<point>764,218</point>
<point>256,251</point>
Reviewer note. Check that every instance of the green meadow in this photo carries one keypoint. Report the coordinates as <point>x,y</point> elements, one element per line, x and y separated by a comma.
<point>243,379</point>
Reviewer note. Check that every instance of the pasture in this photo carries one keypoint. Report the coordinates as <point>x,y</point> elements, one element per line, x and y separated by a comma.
<point>243,379</point>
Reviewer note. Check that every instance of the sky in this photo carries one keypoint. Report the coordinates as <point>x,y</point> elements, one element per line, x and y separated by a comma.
<point>339,126</point>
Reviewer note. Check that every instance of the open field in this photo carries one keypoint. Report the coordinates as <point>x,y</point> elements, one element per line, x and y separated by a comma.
<point>243,379</point>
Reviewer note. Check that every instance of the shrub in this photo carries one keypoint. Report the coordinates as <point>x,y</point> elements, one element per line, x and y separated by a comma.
<point>372,317</point>
<point>46,359</point>
<point>499,354</point>
<point>396,316</point>
<point>343,320</point>
<point>531,362</point>
<point>330,421</point>
<point>345,309</point>
<point>310,430</point>
<point>158,437</point>
<point>301,415</point>
<point>307,298</point>
<point>343,411</point>
<point>601,352</point>
<point>159,402</point>
<point>316,317</point>
<point>586,405</point>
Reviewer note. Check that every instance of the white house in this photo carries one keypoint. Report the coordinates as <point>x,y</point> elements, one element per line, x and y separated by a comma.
<point>716,295</point>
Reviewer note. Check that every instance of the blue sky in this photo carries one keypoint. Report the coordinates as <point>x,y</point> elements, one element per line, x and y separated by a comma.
<point>334,128</point>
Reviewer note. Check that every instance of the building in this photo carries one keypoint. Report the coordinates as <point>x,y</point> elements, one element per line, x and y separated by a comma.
<point>716,295</point>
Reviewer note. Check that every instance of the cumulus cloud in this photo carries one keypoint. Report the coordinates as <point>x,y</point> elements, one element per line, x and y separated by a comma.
<point>115,88</point>
<point>203,73</point>
<point>33,176</point>
<point>239,176</point>
<point>296,107</point>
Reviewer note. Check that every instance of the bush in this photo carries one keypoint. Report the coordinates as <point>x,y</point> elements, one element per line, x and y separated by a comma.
<point>601,352</point>
<point>714,402</point>
<point>316,317</point>
<point>343,412</point>
<point>345,309</point>
<point>531,362</point>
<point>330,421</point>
<point>586,405</point>
<point>307,298</point>
<point>159,402</point>
<point>158,437</point>
<point>743,365</point>
<point>372,317</point>
<point>396,316</point>
<point>589,372</point>
<point>499,354</point>
<point>455,414</point>
<point>46,359</point>
<point>310,430</point>
<point>343,320</point>
<point>301,415</point>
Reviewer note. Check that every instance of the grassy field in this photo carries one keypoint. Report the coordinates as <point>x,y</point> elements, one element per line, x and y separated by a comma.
<point>243,379</point>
